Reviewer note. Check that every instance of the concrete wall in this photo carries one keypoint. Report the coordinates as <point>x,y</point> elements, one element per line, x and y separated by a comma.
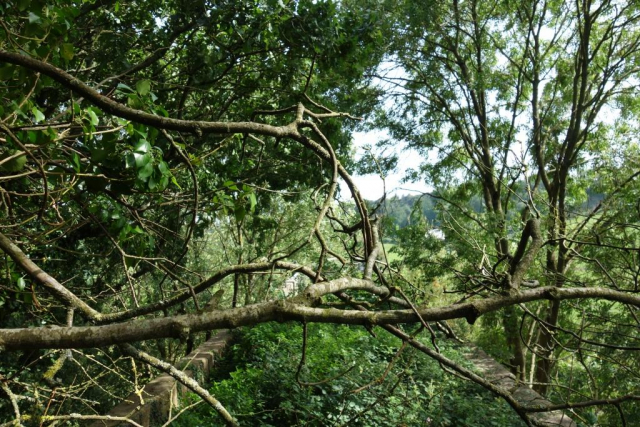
<point>161,396</point>
<point>491,370</point>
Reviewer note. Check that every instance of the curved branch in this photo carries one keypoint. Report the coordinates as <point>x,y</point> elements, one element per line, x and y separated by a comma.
<point>296,308</point>
<point>112,107</point>
<point>67,297</point>
<point>585,404</point>
<point>204,285</point>
<point>180,376</point>
<point>523,258</point>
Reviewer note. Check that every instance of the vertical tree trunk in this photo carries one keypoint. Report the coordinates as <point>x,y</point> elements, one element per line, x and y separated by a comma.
<point>545,347</point>
<point>517,363</point>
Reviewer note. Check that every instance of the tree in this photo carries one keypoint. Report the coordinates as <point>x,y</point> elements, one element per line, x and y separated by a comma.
<point>132,135</point>
<point>526,104</point>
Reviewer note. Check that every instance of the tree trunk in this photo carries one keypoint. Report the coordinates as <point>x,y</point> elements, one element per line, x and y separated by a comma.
<point>545,349</point>
<point>517,363</point>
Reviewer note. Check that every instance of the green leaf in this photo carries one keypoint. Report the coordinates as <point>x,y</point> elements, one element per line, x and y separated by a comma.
<point>37,114</point>
<point>21,283</point>
<point>142,146</point>
<point>93,118</point>
<point>240,212</point>
<point>129,160</point>
<point>51,133</point>
<point>27,297</point>
<point>145,171</point>
<point>134,101</point>
<point>126,88</point>
<point>43,51</point>
<point>174,181</point>
<point>98,154</point>
<point>231,185</point>
<point>23,5</point>
<point>34,19</point>
<point>33,135</point>
<point>75,159</point>
<point>143,87</point>
<point>100,150</point>
<point>164,182</point>
<point>67,51</point>
<point>142,160</point>
<point>153,182</point>
<point>163,167</point>
<point>17,110</point>
<point>161,112</point>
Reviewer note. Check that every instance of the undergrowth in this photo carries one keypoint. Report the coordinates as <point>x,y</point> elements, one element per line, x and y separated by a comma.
<point>257,383</point>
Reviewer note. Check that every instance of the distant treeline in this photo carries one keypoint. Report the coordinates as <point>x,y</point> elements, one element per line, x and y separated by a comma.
<point>403,210</point>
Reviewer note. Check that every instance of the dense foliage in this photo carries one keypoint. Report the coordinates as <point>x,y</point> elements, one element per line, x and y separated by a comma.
<point>350,378</point>
<point>155,153</point>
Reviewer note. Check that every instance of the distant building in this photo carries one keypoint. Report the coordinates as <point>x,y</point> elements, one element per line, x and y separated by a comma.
<point>435,232</point>
<point>290,286</point>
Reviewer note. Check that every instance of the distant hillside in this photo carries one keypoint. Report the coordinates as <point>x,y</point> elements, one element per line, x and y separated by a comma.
<point>400,208</point>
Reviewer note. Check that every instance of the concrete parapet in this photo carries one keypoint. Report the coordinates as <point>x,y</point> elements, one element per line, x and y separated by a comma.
<point>153,406</point>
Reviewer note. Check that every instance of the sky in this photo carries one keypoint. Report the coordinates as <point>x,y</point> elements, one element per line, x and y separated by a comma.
<point>371,186</point>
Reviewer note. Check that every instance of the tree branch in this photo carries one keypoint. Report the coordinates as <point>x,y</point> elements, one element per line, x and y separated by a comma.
<point>296,308</point>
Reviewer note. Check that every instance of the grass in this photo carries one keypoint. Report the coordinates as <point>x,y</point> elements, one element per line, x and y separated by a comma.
<point>391,256</point>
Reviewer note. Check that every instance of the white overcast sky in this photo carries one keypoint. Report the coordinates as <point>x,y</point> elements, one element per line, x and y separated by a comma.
<point>371,186</point>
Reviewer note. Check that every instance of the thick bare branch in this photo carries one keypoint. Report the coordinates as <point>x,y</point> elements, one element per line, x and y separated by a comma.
<point>296,308</point>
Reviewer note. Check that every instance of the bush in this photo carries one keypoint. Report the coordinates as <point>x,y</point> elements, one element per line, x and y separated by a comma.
<point>262,390</point>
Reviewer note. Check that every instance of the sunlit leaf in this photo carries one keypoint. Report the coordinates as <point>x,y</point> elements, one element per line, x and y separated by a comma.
<point>67,51</point>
